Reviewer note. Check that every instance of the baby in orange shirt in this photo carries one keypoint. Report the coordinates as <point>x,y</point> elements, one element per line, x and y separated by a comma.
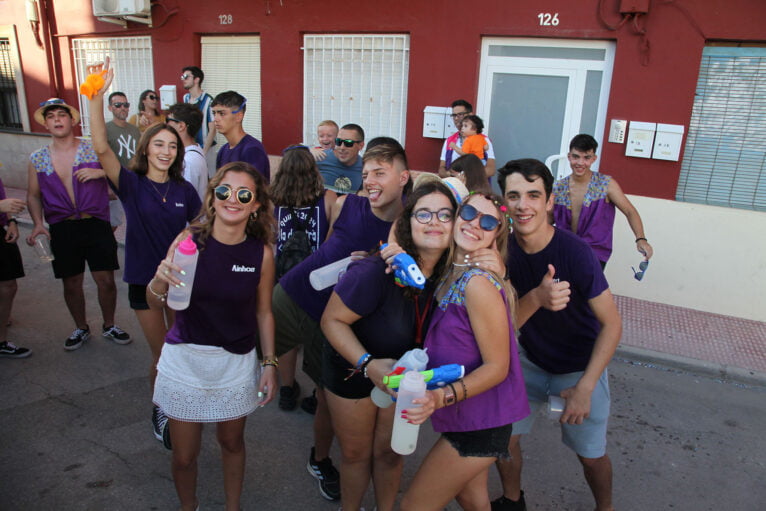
<point>473,141</point>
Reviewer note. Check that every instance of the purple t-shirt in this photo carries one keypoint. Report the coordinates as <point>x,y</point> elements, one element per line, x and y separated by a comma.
<point>450,340</point>
<point>559,342</point>
<point>596,221</point>
<point>155,213</point>
<point>224,298</point>
<point>91,197</point>
<point>313,217</point>
<point>249,150</point>
<point>356,228</point>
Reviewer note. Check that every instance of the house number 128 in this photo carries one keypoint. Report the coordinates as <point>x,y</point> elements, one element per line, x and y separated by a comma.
<point>547,19</point>
<point>225,19</point>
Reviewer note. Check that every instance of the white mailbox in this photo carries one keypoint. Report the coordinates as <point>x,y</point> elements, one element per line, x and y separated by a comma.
<point>434,120</point>
<point>667,142</point>
<point>640,139</point>
<point>167,96</point>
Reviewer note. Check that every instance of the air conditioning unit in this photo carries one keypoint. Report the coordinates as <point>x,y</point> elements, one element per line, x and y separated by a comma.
<point>121,7</point>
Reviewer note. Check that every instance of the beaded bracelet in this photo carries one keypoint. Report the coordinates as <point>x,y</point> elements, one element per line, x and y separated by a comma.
<point>274,362</point>
<point>364,366</point>
<point>160,296</point>
<point>641,239</point>
<point>465,389</point>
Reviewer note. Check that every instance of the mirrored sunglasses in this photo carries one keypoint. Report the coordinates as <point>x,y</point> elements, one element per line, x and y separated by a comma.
<point>424,216</point>
<point>642,267</point>
<point>185,76</point>
<point>244,196</point>
<point>486,222</point>
<point>345,142</point>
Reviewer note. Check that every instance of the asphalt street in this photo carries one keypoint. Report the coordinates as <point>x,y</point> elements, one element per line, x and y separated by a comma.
<point>75,431</point>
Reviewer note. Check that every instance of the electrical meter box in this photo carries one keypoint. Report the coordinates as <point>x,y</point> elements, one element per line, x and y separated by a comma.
<point>667,142</point>
<point>434,121</point>
<point>640,139</point>
<point>167,96</point>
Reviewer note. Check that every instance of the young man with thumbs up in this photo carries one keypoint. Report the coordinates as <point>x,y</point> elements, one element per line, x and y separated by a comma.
<point>569,326</point>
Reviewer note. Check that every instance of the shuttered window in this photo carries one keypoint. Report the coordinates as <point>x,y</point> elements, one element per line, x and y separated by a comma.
<point>725,157</point>
<point>234,63</point>
<point>131,58</point>
<point>13,115</point>
<point>356,78</point>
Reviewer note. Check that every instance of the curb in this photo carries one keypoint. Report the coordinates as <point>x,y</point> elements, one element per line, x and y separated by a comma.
<point>693,365</point>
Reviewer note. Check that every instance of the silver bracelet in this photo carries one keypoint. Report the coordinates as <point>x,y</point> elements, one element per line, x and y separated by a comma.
<point>160,296</point>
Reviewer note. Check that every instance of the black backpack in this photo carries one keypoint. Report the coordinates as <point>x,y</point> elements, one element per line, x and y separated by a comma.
<point>296,248</point>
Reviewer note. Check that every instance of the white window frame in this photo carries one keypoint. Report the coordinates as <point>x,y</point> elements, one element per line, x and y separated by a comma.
<point>9,32</point>
<point>356,78</point>
<point>131,58</point>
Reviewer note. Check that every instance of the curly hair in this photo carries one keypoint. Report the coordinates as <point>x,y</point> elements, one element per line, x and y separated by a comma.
<point>298,182</point>
<point>403,225</point>
<point>140,162</point>
<point>261,228</point>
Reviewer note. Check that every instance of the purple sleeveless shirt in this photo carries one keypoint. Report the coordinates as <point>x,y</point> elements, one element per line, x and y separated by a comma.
<point>356,228</point>
<point>224,298</point>
<point>91,197</point>
<point>450,340</point>
<point>596,221</point>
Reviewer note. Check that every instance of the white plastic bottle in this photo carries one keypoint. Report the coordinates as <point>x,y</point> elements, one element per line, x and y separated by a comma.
<point>414,360</point>
<point>404,437</point>
<point>186,257</point>
<point>328,275</point>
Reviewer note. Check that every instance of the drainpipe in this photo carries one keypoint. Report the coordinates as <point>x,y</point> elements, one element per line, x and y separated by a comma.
<point>51,51</point>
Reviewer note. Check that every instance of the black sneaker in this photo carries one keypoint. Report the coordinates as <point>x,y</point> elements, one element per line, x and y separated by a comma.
<point>79,336</point>
<point>309,404</point>
<point>116,334</point>
<point>10,350</point>
<point>288,396</point>
<point>326,475</point>
<point>159,420</point>
<point>505,504</point>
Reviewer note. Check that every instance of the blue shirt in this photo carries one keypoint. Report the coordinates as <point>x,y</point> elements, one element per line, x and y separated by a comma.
<point>338,177</point>
<point>203,103</point>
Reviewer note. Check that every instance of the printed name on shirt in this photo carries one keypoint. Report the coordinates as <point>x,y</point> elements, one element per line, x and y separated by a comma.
<point>238,268</point>
<point>179,204</point>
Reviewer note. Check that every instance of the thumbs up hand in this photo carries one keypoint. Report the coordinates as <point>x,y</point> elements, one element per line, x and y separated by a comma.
<point>551,293</point>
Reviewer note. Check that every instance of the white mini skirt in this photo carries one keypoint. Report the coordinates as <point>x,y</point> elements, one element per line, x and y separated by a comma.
<point>198,383</point>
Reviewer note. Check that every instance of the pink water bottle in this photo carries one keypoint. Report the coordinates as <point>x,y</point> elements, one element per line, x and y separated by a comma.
<point>186,257</point>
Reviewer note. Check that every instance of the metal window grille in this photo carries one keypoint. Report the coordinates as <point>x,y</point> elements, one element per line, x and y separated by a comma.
<point>356,78</point>
<point>725,157</point>
<point>10,117</point>
<point>131,58</point>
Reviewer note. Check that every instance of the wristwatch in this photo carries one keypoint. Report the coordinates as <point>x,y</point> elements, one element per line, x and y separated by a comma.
<point>449,395</point>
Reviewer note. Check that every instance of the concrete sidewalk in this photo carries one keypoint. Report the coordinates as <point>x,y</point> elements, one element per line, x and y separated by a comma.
<point>720,346</point>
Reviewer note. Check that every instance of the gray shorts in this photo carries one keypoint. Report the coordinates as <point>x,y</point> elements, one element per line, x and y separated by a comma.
<point>587,439</point>
<point>293,328</point>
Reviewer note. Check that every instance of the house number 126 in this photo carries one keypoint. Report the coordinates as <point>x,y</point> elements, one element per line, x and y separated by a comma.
<point>547,19</point>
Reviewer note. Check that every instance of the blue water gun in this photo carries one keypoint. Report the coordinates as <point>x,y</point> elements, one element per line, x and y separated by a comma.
<point>435,378</point>
<point>406,271</point>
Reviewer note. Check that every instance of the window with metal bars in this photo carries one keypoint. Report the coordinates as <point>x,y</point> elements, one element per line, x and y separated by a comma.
<point>10,116</point>
<point>725,156</point>
<point>131,58</point>
<point>356,78</point>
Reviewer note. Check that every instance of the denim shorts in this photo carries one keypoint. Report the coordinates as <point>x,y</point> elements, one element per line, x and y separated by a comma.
<point>587,439</point>
<point>482,443</point>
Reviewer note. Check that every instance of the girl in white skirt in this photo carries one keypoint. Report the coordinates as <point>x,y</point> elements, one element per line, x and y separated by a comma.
<point>207,370</point>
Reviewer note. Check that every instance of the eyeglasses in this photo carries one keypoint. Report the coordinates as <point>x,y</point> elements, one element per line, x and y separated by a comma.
<point>345,142</point>
<point>642,267</point>
<point>121,105</point>
<point>459,114</point>
<point>151,96</point>
<point>424,216</point>
<point>486,222</point>
<point>295,146</point>
<point>185,76</point>
<point>244,196</point>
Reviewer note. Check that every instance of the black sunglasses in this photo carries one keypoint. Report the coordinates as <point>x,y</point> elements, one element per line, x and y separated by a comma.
<point>151,96</point>
<point>119,104</point>
<point>348,143</point>
<point>424,215</point>
<point>173,119</point>
<point>642,267</point>
<point>244,196</point>
<point>486,222</point>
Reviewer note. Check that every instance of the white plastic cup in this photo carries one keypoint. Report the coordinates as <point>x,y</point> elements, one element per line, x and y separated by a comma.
<point>414,360</point>
<point>404,437</point>
<point>42,248</point>
<point>261,395</point>
<point>556,407</point>
<point>328,275</point>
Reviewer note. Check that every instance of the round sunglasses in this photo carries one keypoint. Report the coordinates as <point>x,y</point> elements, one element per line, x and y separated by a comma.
<point>424,216</point>
<point>486,222</point>
<point>244,196</point>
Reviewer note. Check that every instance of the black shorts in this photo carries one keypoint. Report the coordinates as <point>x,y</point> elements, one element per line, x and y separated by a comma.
<point>75,242</point>
<point>335,369</point>
<point>11,267</point>
<point>137,297</point>
<point>482,443</point>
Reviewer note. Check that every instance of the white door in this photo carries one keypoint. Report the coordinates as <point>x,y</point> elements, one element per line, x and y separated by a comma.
<point>536,94</point>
